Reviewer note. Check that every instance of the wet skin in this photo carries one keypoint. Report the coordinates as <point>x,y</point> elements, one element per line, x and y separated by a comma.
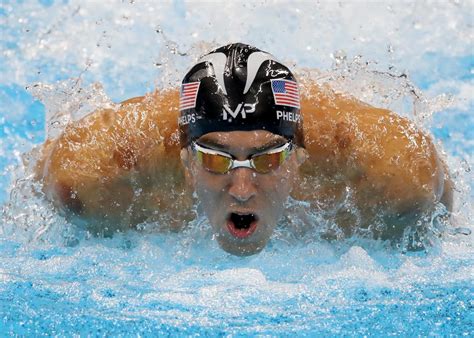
<point>242,191</point>
<point>116,168</point>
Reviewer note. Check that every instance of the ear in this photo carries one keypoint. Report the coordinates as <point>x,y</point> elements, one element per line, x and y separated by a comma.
<point>186,162</point>
<point>297,191</point>
<point>184,155</point>
<point>301,155</point>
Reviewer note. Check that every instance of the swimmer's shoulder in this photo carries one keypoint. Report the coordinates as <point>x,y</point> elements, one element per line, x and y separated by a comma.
<point>157,111</point>
<point>383,156</point>
<point>117,136</point>
<point>94,168</point>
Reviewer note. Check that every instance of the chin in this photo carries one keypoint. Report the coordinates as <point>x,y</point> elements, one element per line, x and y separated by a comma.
<point>243,232</point>
<point>241,249</point>
<point>246,246</point>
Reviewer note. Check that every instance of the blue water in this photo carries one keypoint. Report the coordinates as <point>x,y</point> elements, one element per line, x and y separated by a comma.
<point>57,280</point>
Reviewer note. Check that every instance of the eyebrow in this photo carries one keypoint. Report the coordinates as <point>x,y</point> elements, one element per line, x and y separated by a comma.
<point>215,144</point>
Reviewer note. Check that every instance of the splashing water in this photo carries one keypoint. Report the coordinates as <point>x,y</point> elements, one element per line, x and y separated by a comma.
<point>413,58</point>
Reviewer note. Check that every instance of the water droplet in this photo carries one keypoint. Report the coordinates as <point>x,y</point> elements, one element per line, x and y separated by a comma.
<point>339,56</point>
<point>461,231</point>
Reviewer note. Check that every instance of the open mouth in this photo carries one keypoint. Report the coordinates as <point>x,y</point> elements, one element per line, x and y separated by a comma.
<point>241,225</point>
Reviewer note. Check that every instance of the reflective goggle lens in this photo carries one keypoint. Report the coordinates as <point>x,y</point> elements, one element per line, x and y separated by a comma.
<point>213,162</point>
<point>267,162</point>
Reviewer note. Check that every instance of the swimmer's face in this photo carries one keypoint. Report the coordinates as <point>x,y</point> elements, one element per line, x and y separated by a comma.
<point>242,205</point>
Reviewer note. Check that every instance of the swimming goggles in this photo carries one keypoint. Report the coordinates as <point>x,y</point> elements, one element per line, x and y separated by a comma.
<point>219,162</point>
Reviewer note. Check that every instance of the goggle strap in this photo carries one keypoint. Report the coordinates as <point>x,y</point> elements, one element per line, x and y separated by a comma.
<point>286,146</point>
<point>210,151</point>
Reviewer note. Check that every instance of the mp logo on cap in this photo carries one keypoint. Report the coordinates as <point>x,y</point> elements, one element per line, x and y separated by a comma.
<point>243,109</point>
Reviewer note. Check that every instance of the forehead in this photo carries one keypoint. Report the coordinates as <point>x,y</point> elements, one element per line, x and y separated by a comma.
<point>241,140</point>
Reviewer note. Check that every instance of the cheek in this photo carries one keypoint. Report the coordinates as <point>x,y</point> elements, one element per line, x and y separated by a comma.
<point>282,182</point>
<point>274,194</point>
<point>277,189</point>
<point>209,189</point>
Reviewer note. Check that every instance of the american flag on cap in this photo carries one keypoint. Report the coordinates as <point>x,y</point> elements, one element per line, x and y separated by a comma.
<point>188,95</point>
<point>285,93</point>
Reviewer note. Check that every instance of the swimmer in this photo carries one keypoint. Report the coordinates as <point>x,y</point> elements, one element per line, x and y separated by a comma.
<point>239,138</point>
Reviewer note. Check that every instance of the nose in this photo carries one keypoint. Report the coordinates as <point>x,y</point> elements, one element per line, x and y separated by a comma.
<point>242,186</point>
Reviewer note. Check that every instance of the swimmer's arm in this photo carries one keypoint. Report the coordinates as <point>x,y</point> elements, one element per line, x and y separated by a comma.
<point>375,159</point>
<point>108,169</point>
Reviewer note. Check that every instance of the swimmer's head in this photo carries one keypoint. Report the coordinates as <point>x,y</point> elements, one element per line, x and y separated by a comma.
<point>238,87</point>
<point>242,142</point>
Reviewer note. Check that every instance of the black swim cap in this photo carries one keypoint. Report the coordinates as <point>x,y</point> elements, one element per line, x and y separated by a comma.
<point>239,87</point>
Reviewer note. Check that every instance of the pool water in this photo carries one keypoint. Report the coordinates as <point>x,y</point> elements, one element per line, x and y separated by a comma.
<point>55,279</point>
